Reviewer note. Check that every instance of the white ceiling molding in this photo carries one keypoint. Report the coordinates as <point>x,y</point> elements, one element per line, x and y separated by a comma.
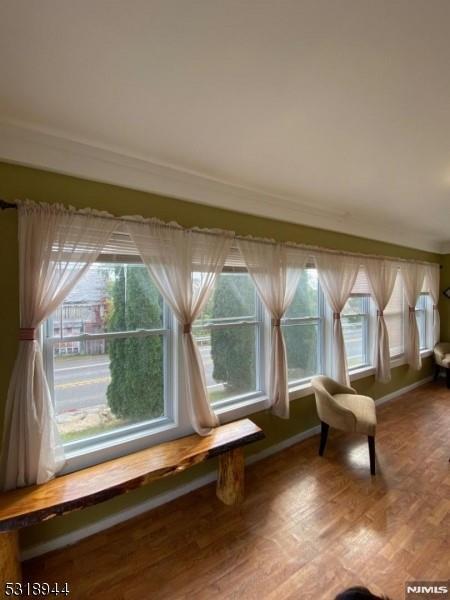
<point>45,150</point>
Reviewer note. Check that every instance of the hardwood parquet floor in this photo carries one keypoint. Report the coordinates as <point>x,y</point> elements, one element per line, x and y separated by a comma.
<point>309,526</point>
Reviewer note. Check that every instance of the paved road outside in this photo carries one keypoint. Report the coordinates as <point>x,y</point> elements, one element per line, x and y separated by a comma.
<point>81,381</point>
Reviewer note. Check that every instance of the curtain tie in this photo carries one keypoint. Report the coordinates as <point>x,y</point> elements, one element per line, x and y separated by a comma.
<point>276,322</point>
<point>187,328</point>
<point>435,306</point>
<point>412,309</point>
<point>27,334</point>
<point>337,316</point>
<point>380,313</point>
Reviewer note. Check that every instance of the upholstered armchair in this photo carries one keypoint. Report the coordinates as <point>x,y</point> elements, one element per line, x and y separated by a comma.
<point>442,360</point>
<point>342,407</point>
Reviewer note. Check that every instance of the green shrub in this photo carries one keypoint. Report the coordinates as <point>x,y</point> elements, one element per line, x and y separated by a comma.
<point>233,349</point>
<point>136,390</point>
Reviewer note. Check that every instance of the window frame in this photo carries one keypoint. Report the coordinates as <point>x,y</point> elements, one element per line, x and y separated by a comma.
<point>367,337</point>
<point>319,321</point>
<point>148,427</point>
<point>403,314</point>
<point>422,312</point>
<point>260,362</point>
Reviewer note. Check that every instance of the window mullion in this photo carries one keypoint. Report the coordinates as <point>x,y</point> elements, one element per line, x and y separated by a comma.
<point>110,335</point>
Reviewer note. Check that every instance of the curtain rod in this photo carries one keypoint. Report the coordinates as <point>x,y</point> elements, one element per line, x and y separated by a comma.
<point>4,204</point>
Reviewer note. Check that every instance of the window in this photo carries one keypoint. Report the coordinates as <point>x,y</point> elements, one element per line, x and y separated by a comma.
<point>355,320</point>
<point>394,316</point>
<point>106,352</point>
<point>303,329</point>
<point>422,320</point>
<point>355,328</point>
<point>229,334</point>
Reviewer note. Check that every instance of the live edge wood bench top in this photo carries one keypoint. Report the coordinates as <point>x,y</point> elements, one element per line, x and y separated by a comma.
<point>75,491</point>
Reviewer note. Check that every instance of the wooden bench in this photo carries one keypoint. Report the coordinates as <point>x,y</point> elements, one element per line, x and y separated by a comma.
<point>27,506</point>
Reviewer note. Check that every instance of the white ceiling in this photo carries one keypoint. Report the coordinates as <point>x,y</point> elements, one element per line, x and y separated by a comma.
<point>331,113</point>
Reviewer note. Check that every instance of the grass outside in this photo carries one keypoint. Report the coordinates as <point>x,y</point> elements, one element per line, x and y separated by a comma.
<point>90,432</point>
<point>75,436</point>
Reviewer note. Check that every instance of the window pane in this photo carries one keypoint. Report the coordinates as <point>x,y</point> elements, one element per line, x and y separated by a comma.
<point>394,324</point>
<point>355,305</point>
<point>306,298</point>
<point>121,383</point>
<point>229,352</point>
<point>355,340</point>
<point>110,298</point>
<point>394,317</point>
<point>420,316</point>
<point>302,346</point>
<point>354,327</point>
<point>234,298</point>
<point>229,359</point>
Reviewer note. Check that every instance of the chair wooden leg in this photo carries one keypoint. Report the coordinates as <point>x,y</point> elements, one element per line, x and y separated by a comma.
<point>372,454</point>
<point>323,437</point>
<point>437,370</point>
<point>447,373</point>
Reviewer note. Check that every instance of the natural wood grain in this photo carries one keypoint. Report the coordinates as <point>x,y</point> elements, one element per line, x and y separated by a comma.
<point>10,568</point>
<point>75,491</point>
<point>230,478</point>
<point>309,526</point>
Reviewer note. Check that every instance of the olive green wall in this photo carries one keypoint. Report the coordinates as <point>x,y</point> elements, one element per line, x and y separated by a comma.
<point>22,182</point>
<point>444,303</point>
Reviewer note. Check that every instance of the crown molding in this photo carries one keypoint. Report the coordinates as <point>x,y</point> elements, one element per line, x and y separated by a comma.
<point>46,150</point>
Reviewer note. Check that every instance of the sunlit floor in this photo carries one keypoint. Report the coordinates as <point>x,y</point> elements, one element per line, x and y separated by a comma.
<point>308,528</point>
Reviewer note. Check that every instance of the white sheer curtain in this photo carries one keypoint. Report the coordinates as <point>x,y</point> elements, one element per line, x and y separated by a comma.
<point>275,270</point>
<point>185,265</point>
<point>432,275</point>
<point>337,274</point>
<point>413,277</point>
<point>381,275</point>
<point>56,246</point>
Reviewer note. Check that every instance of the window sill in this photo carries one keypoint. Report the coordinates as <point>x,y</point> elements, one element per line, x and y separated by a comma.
<point>238,410</point>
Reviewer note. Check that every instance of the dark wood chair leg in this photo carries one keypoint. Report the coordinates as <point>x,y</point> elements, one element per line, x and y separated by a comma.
<point>437,370</point>
<point>323,437</point>
<point>447,373</point>
<point>372,454</point>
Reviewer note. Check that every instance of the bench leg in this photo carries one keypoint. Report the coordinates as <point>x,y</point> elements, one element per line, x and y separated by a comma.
<point>10,569</point>
<point>230,480</point>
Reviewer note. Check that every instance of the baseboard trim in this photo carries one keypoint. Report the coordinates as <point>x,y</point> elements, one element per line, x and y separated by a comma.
<point>404,390</point>
<point>75,536</point>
